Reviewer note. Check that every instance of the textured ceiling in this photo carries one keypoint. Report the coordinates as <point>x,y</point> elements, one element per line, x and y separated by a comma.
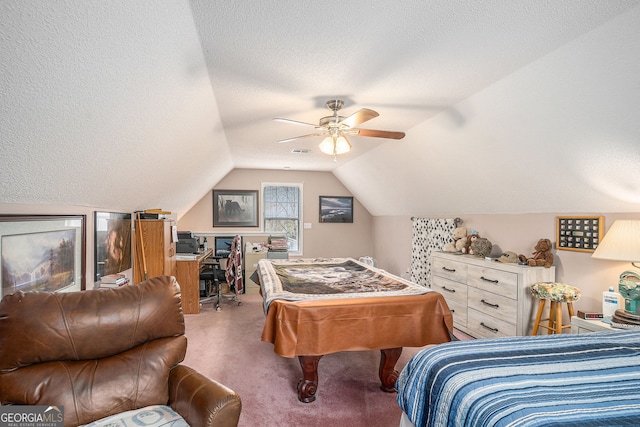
<point>408,61</point>
<point>131,105</point>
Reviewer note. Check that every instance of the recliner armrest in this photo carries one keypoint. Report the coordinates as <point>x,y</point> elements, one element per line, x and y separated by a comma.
<point>202,401</point>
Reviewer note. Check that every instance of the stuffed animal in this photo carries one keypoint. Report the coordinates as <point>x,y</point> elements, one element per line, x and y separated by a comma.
<point>467,242</point>
<point>459,240</point>
<point>481,247</point>
<point>542,257</point>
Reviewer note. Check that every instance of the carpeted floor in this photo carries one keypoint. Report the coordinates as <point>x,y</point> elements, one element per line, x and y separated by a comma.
<point>226,346</point>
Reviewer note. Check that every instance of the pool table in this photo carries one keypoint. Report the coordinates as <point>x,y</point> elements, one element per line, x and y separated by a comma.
<point>307,325</point>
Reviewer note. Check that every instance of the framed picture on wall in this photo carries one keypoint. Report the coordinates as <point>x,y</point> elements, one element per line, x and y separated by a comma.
<point>235,208</point>
<point>336,209</point>
<point>42,253</point>
<point>579,233</point>
<point>112,237</point>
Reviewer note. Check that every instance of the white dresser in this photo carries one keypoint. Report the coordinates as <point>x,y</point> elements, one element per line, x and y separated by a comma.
<point>488,298</point>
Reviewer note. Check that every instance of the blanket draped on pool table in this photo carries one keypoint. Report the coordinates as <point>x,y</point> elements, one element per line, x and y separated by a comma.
<point>359,307</point>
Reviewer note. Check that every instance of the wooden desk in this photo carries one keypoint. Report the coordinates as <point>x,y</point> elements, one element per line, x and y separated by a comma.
<point>188,277</point>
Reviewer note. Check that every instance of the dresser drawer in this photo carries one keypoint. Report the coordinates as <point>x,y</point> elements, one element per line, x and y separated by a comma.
<point>481,325</point>
<point>453,270</point>
<point>459,312</point>
<point>452,291</point>
<point>493,305</point>
<point>492,280</point>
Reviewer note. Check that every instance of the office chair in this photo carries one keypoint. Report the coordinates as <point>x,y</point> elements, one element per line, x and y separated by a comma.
<point>213,276</point>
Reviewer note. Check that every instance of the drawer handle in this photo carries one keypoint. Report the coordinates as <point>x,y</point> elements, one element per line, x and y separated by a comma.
<point>489,280</point>
<point>449,290</point>
<point>488,327</point>
<point>489,304</point>
<point>450,270</point>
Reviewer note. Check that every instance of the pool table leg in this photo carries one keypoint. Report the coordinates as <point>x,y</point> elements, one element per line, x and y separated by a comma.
<point>308,384</point>
<point>387,371</point>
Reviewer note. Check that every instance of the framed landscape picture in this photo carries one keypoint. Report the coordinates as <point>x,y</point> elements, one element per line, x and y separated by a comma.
<point>112,237</point>
<point>42,253</point>
<point>235,208</point>
<point>336,209</point>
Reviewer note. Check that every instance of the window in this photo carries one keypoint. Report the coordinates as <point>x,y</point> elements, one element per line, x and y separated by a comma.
<point>282,210</point>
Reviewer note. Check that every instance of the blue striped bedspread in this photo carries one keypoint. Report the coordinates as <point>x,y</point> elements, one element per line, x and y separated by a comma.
<point>586,380</point>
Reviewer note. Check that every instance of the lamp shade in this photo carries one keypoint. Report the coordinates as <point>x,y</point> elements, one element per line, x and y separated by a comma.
<point>621,243</point>
<point>333,145</point>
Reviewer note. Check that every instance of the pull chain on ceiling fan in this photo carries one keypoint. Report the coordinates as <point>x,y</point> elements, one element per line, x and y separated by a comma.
<point>337,128</point>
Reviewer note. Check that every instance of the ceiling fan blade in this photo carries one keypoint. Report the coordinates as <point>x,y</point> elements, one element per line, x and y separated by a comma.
<point>359,117</point>
<point>379,133</point>
<point>295,122</point>
<point>301,136</point>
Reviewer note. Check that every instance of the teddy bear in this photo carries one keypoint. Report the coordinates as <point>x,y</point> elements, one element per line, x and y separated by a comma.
<point>467,242</point>
<point>542,257</point>
<point>459,240</point>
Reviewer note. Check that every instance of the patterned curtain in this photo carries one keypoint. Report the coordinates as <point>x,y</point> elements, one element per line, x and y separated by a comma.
<point>429,234</point>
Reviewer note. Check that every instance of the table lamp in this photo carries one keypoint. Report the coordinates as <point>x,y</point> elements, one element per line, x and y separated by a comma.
<point>622,243</point>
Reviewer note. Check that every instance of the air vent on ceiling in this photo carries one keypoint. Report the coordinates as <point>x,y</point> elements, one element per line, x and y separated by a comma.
<point>300,151</point>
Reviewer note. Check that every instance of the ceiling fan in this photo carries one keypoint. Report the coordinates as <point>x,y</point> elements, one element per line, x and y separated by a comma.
<point>338,127</point>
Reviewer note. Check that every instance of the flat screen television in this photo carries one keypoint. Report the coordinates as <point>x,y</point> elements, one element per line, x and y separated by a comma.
<point>222,245</point>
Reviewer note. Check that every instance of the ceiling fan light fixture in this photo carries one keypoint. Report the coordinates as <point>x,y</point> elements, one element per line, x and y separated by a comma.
<point>333,146</point>
<point>337,127</point>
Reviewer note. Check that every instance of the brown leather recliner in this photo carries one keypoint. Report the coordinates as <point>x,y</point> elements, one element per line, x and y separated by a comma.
<point>105,351</point>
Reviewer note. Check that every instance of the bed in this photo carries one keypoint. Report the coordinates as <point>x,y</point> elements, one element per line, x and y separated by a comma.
<point>320,306</point>
<point>587,380</point>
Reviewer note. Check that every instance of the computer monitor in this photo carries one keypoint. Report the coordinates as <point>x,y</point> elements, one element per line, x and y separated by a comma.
<point>222,245</point>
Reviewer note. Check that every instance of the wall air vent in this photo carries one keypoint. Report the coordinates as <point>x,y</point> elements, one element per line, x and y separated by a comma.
<point>300,151</point>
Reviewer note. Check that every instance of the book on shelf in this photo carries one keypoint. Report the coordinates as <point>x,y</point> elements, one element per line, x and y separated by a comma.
<point>113,281</point>
<point>115,285</point>
<point>112,278</point>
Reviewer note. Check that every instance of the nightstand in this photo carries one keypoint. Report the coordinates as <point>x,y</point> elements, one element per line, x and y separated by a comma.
<point>583,326</point>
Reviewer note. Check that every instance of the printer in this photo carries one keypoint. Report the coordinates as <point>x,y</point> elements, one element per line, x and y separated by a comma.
<point>187,243</point>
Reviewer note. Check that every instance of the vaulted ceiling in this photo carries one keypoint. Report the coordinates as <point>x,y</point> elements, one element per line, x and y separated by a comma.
<point>508,106</point>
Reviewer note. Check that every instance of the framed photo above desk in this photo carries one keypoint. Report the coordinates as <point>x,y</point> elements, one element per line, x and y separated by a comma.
<point>579,233</point>
<point>235,208</point>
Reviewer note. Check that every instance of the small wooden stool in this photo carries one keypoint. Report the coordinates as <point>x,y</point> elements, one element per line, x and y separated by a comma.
<point>557,293</point>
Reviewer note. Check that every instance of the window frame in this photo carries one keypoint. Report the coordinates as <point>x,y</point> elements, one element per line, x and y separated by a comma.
<point>300,187</point>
